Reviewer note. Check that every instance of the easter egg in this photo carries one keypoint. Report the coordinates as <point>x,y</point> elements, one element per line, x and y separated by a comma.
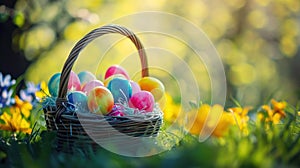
<point>120,89</point>
<point>53,84</point>
<point>116,113</point>
<point>116,69</point>
<point>91,85</point>
<point>85,77</point>
<point>74,82</point>
<point>79,99</point>
<point>117,110</point>
<point>107,80</point>
<point>100,100</point>
<point>154,86</point>
<point>142,100</point>
<point>135,87</point>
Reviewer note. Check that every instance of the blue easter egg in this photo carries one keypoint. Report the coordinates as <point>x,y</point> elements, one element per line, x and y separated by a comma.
<point>53,84</point>
<point>79,100</point>
<point>85,77</point>
<point>120,89</point>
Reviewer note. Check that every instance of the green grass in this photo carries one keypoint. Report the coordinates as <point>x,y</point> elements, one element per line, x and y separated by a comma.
<point>266,145</point>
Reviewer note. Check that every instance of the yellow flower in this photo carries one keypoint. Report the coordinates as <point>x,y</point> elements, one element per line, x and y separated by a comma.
<point>43,91</point>
<point>274,113</point>
<point>16,120</point>
<point>279,107</point>
<point>241,117</point>
<point>22,107</point>
<point>200,120</point>
<point>170,108</point>
<point>222,125</point>
<point>260,117</point>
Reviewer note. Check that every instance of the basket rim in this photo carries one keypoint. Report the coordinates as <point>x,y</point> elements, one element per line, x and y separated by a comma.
<point>74,114</point>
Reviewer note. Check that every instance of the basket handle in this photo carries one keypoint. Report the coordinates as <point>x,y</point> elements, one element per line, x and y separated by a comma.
<point>65,74</point>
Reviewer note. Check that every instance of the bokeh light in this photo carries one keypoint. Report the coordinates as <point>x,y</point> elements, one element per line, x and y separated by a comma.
<point>255,39</point>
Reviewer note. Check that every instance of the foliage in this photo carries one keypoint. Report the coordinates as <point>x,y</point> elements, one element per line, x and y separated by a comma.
<point>278,146</point>
<point>20,110</point>
<point>244,137</point>
<point>258,44</point>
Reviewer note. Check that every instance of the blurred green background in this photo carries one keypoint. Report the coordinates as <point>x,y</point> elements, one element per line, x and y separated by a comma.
<point>258,40</point>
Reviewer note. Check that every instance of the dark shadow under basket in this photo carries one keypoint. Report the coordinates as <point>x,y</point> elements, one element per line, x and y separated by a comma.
<point>81,129</point>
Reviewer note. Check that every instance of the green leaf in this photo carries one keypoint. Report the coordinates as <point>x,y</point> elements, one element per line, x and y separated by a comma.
<point>2,121</point>
<point>193,104</point>
<point>14,87</point>
<point>236,102</point>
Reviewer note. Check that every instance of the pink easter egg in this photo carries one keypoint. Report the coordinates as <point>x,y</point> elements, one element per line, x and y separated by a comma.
<point>116,69</point>
<point>135,87</point>
<point>91,85</point>
<point>100,100</point>
<point>142,100</point>
<point>74,82</point>
<point>85,77</point>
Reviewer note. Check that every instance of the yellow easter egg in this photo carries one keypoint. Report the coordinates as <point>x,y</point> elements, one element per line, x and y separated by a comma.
<point>153,85</point>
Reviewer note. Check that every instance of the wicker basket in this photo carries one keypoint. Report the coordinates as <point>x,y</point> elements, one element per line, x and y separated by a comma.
<point>71,126</point>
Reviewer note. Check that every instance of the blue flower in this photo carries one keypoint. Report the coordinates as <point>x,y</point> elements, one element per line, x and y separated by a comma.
<point>28,94</point>
<point>5,90</point>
